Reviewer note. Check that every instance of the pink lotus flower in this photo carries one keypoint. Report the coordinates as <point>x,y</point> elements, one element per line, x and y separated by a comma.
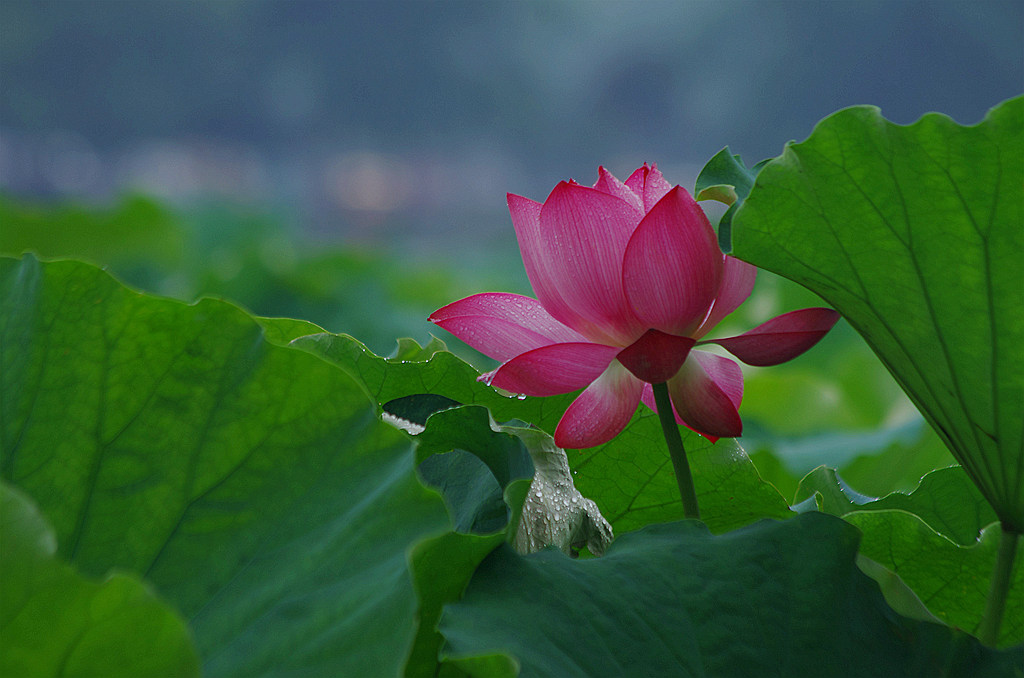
<point>629,278</point>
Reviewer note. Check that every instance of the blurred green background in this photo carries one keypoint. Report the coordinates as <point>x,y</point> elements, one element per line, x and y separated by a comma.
<point>346,162</point>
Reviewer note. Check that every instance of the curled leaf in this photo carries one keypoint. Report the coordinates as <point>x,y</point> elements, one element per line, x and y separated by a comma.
<point>555,513</point>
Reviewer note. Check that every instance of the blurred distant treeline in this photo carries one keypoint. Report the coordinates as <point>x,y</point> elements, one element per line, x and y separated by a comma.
<point>401,125</point>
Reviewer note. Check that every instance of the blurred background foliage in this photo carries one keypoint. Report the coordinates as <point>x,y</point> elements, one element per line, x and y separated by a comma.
<point>346,162</point>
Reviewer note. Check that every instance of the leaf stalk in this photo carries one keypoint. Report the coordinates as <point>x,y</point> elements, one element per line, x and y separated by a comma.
<point>676,451</point>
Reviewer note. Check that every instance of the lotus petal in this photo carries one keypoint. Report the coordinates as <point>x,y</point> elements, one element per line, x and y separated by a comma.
<point>607,183</point>
<point>526,221</point>
<point>503,325</point>
<point>738,279</point>
<point>583,235</point>
<point>649,185</point>
<point>601,411</point>
<point>780,339</point>
<point>554,369</point>
<point>706,394</point>
<point>673,266</point>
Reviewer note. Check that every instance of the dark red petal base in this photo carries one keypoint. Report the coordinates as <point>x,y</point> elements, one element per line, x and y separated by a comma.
<point>656,356</point>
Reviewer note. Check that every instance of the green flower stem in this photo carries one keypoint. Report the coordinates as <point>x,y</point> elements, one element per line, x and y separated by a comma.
<point>999,588</point>
<point>676,450</point>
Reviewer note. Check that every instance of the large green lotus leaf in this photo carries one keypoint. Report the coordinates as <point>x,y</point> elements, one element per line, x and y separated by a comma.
<point>442,567</point>
<point>54,622</point>
<point>473,465</point>
<point>952,580</point>
<point>929,538</point>
<point>838,385</point>
<point>945,500</point>
<point>901,465</point>
<point>474,500</point>
<point>463,454</point>
<point>632,480</point>
<point>470,428</point>
<point>429,370</point>
<point>914,233</point>
<point>853,415</point>
<point>284,330</point>
<point>782,598</point>
<point>253,484</point>
<point>873,463</point>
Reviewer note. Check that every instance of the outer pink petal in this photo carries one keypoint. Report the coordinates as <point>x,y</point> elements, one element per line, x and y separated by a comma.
<point>673,267</point>
<point>601,411</point>
<point>726,374</point>
<point>782,338</point>
<point>607,183</point>
<point>648,183</point>
<point>526,220</point>
<point>583,235</point>
<point>706,394</point>
<point>738,279</point>
<point>554,369</point>
<point>503,325</point>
